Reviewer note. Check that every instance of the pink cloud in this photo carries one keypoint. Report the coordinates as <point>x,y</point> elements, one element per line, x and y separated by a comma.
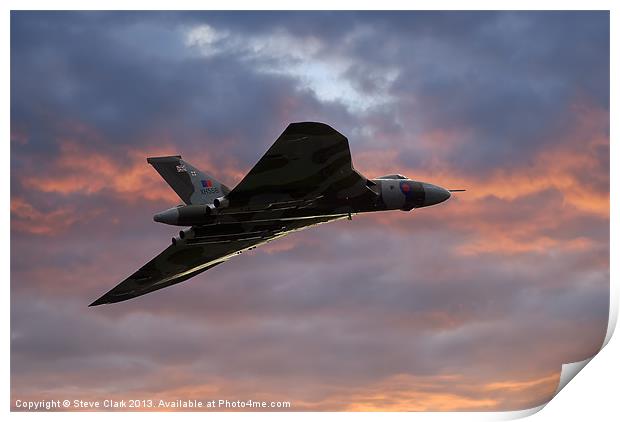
<point>26,218</point>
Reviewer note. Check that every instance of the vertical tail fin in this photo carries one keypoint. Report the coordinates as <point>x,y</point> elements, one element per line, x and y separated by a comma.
<point>192,185</point>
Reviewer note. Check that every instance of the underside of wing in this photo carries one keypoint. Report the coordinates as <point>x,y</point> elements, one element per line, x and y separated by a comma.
<point>175,264</point>
<point>211,246</point>
<point>308,160</point>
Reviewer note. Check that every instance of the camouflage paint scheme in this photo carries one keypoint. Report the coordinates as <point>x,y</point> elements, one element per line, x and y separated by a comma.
<point>306,178</point>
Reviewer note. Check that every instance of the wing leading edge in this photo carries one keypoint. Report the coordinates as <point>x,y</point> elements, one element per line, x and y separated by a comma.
<point>180,262</point>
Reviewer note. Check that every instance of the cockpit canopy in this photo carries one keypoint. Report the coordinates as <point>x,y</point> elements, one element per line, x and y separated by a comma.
<point>393,176</point>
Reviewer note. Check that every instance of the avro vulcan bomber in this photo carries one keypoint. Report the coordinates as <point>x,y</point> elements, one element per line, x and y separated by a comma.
<point>306,178</point>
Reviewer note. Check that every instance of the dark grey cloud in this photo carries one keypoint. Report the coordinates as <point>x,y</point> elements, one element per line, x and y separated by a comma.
<point>507,78</point>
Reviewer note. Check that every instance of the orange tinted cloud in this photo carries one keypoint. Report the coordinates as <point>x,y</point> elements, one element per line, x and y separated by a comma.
<point>398,393</point>
<point>497,207</point>
<point>521,385</point>
<point>566,166</point>
<point>452,393</point>
<point>509,244</point>
<point>124,172</point>
<point>78,169</point>
<point>26,218</point>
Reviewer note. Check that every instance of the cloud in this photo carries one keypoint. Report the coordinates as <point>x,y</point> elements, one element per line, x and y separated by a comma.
<point>470,305</point>
<point>80,170</point>
<point>26,218</point>
<point>406,393</point>
<point>302,58</point>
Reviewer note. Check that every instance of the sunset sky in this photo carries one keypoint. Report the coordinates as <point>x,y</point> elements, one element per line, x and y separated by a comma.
<point>470,305</point>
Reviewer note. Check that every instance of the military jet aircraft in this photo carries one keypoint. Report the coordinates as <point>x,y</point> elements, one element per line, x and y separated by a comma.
<point>306,178</point>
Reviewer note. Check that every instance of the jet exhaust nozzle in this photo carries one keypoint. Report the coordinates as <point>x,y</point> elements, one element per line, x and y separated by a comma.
<point>187,234</point>
<point>221,202</point>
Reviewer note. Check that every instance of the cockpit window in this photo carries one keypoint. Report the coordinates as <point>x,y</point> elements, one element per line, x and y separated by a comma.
<point>392,176</point>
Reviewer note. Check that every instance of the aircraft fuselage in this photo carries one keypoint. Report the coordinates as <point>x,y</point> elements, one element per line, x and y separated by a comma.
<point>381,194</point>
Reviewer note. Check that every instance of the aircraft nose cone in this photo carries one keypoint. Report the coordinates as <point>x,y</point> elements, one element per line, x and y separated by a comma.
<point>434,194</point>
<point>170,216</point>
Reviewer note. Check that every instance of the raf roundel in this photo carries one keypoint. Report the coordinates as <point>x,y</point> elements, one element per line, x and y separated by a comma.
<point>405,188</point>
